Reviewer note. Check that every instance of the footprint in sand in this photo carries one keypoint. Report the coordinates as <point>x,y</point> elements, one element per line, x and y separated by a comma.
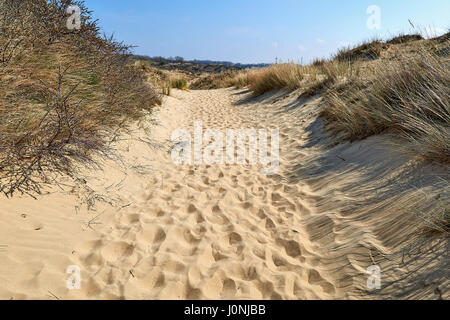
<point>117,250</point>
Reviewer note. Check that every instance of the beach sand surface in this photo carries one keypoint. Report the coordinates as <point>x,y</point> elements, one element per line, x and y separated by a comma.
<point>147,228</point>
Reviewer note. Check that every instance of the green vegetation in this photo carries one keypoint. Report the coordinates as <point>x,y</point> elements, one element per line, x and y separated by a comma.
<point>179,83</point>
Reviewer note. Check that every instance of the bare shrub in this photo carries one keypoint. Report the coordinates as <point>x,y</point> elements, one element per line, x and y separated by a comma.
<point>64,95</point>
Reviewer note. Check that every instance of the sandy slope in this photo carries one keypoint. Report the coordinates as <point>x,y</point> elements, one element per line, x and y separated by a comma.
<point>213,232</point>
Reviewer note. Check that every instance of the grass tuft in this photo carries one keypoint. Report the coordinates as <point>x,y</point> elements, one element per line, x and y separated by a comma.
<point>280,76</point>
<point>225,79</point>
<point>409,96</point>
<point>366,51</point>
<point>179,83</point>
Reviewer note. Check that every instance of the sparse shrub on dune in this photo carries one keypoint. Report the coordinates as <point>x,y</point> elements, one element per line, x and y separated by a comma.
<point>142,65</point>
<point>312,79</point>
<point>64,94</point>
<point>166,89</point>
<point>366,51</point>
<point>240,80</point>
<point>288,76</point>
<point>405,38</point>
<point>319,62</point>
<point>321,74</point>
<point>443,38</point>
<point>225,79</point>
<point>279,76</point>
<point>179,83</point>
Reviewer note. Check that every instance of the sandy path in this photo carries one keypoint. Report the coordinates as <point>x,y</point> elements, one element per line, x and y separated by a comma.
<point>228,231</point>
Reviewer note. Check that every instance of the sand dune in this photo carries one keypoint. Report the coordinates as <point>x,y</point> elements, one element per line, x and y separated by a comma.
<point>164,231</point>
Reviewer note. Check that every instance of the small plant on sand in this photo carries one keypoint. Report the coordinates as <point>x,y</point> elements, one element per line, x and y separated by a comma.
<point>404,38</point>
<point>179,83</point>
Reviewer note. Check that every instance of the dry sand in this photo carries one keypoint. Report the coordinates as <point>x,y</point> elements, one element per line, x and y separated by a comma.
<point>162,231</point>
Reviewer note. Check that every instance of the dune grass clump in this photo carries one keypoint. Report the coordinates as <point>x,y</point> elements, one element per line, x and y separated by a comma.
<point>224,79</point>
<point>312,79</point>
<point>437,221</point>
<point>409,96</point>
<point>179,83</point>
<point>240,80</point>
<point>144,66</point>
<point>366,51</point>
<point>405,38</point>
<point>318,62</point>
<point>64,94</point>
<point>280,76</point>
<point>166,89</point>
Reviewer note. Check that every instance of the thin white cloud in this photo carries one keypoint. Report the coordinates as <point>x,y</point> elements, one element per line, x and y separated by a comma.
<point>301,48</point>
<point>275,44</point>
<point>320,41</point>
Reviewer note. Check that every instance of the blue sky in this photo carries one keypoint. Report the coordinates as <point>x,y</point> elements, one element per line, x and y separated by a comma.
<point>253,31</point>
